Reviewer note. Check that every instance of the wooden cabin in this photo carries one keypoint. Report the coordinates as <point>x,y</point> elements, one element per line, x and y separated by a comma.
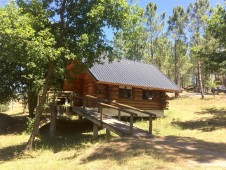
<point>128,82</point>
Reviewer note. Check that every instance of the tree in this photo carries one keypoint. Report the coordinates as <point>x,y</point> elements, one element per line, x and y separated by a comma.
<point>154,27</point>
<point>132,44</point>
<point>42,36</point>
<point>18,54</point>
<point>177,24</point>
<point>216,28</point>
<point>196,12</point>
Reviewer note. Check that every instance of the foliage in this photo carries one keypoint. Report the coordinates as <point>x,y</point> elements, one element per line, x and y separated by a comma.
<point>30,123</point>
<point>154,28</point>
<point>210,84</point>
<point>132,44</point>
<point>176,29</point>
<point>216,28</point>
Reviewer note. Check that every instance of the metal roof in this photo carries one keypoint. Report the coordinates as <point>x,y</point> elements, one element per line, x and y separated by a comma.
<point>132,73</point>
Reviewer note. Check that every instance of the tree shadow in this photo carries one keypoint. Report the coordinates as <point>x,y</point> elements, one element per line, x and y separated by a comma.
<point>69,135</point>
<point>216,121</point>
<point>168,149</point>
<point>12,125</point>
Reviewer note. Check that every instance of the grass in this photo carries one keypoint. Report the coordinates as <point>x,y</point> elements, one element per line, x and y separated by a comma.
<point>190,136</point>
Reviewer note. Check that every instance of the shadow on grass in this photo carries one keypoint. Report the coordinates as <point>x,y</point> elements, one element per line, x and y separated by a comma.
<point>12,125</point>
<point>216,121</point>
<point>168,149</point>
<point>69,135</point>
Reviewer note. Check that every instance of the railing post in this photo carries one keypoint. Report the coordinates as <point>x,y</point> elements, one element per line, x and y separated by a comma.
<point>101,114</point>
<point>119,114</point>
<point>108,132</point>
<point>150,124</point>
<point>131,124</point>
<point>98,105</point>
<point>84,102</point>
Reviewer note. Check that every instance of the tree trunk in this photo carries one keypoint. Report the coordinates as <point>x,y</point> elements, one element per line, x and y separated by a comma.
<point>39,108</point>
<point>200,79</point>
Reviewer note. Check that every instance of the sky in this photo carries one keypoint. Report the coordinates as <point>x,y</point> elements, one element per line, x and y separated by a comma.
<point>168,5</point>
<point>163,6</point>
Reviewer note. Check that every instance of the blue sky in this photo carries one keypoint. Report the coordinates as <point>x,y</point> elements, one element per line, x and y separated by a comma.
<point>163,6</point>
<point>167,5</point>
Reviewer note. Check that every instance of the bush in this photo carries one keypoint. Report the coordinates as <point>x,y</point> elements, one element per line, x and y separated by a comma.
<point>30,122</point>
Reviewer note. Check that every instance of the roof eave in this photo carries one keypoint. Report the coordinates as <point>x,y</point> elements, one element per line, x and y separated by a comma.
<point>143,87</point>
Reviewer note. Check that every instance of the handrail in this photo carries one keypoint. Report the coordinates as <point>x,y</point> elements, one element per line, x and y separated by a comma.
<point>133,108</point>
<point>139,110</point>
<point>118,108</point>
<point>101,104</point>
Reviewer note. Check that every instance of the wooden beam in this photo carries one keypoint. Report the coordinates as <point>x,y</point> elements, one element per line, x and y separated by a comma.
<point>131,124</point>
<point>79,117</point>
<point>95,131</point>
<point>108,132</point>
<point>150,124</point>
<point>101,115</point>
<point>119,115</point>
<point>84,102</point>
<point>53,121</point>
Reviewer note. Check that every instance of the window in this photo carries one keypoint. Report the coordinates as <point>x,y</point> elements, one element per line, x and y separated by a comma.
<point>148,94</point>
<point>125,92</point>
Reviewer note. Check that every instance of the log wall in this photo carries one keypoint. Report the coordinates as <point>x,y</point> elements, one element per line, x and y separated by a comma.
<point>84,84</point>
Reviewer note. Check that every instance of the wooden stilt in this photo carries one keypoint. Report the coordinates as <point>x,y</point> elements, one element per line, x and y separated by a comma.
<point>119,114</point>
<point>150,124</point>
<point>131,124</point>
<point>53,121</point>
<point>95,131</point>
<point>79,117</point>
<point>108,132</point>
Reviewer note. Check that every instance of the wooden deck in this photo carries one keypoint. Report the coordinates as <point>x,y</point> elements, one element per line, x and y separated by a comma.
<point>119,127</point>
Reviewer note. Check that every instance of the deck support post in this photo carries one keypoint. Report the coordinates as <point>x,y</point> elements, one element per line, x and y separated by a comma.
<point>84,102</point>
<point>131,124</point>
<point>150,124</point>
<point>53,121</point>
<point>101,114</point>
<point>79,117</point>
<point>108,132</point>
<point>95,131</point>
<point>119,114</point>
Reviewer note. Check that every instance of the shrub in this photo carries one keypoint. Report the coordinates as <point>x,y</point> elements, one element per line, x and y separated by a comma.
<point>30,123</point>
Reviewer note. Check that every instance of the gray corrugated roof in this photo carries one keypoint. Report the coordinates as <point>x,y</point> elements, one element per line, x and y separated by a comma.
<point>132,73</point>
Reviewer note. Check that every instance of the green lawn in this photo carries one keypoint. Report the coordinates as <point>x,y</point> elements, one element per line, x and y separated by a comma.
<point>190,136</point>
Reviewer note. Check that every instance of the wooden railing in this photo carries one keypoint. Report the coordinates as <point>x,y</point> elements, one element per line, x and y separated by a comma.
<point>138,110</point>
<point>100,103</point>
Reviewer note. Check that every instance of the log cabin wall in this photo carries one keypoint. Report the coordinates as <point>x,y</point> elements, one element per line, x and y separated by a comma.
<point>157,103</point>
<point>84,84</point>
